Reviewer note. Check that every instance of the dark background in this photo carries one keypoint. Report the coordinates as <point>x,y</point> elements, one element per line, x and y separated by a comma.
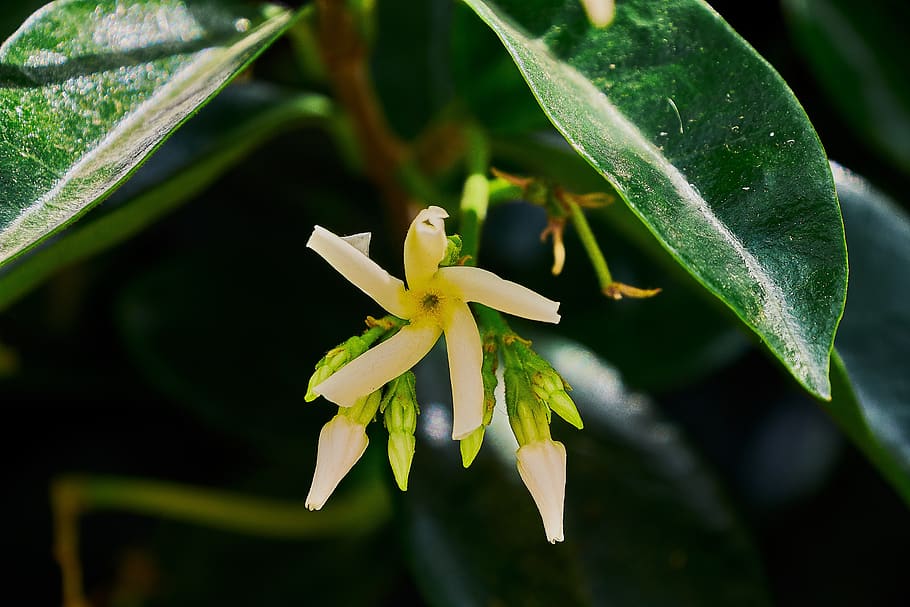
<point>84,392</point>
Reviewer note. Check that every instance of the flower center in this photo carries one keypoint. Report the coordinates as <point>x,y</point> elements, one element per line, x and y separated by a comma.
<point>430,302</point>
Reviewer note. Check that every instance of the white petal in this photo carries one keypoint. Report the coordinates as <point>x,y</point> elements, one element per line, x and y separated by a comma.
<point>424,246</point>
<point>542,466</point>
<point>465,358</point>
<point>362,271</point>
<point>360,241</point>
<point>504,295</point>
<point>378,365</point>
<point>341,443</point>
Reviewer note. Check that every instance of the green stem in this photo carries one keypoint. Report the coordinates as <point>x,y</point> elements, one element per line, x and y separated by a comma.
<point>384,325</point>
<point>475,197</point>
<point>263,517</point>
<point>590,244</point>
<point>503,191</point>
<point>74,496</point>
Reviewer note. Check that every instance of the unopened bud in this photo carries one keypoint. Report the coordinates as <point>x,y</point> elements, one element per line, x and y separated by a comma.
<point>341,443</point>
<point>470,445</point>
<point>401,454</point>
<point>562,405</point>
<point>542,466</point>
<point>363,410</point>
<point>528,416</point>
<point>400,410</point>
<point>334,360</point>
<point>453,251</point>
<point>550,388</point>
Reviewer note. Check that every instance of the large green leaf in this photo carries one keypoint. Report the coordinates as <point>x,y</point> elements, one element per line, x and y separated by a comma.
<point>89,88</point>
<point>871,387</point>
<point>238,120</point>
<point>858,52</point>
<point>646,524</point>
<point>707,146</point>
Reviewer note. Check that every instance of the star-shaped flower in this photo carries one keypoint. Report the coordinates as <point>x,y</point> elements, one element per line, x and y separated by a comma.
<point>434,302</point>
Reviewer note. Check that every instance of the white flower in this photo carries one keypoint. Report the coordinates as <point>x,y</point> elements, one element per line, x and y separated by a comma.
<point>434,302</point>
<point>542,466</point>
<point>341,443</point>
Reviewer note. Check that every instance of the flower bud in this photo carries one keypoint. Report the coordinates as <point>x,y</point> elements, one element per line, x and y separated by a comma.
<point>342,442</point>
<point>453,251</point>
<point>401,454</point>
<point>550,388</point>
<point>470,445</point>
<point>334,359</point>
<point>363,410</point>
<point>542,466</point>
<point>400,410</point>
<point>528,416</point>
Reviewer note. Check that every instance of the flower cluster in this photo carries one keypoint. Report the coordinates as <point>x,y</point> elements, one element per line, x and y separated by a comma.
<point>435,302</point>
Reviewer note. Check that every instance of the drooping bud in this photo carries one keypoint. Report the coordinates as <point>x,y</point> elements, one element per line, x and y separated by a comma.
<point>542,466</point>
<point>334,359</point>
<point>470,445</point>
<point>342,442</point>
<point>400,410</point>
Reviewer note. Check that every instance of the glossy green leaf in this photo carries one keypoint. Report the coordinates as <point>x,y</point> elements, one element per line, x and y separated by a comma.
<point>707,146</point>
<point>235,122</point>
<point>858,52</point>
<point>871,386</point>
<point>644,340</point>
<point>89,88</point>
<point>645,523</point>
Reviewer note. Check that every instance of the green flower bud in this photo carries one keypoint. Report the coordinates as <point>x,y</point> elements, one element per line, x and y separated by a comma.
<point>550,387</point>
<point>453,251</point>
<point>400,410</point>
<point>470,446</point>
<point>528,417</point>
<point>488,375</point>
<point>401,454</point>
<point>334,359</point>
<point>364,410</point>
<point>562,405</point>
<point>399,404</point>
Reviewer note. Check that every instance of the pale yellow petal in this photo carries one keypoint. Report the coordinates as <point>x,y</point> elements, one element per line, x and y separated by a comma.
<point>424,246</point>
<point>465,358</point>
<point>362,271</point>
<point>341,443</point>
<point>378,365</point>
<point>542,466</point>
<point>506,296</point>
<point>600,12</point>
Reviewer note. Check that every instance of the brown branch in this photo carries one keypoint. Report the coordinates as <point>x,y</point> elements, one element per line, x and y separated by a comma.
<point>344,53</point>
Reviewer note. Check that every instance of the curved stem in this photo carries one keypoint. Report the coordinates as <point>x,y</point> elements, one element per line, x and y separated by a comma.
<point>590,244</point>
<point>475,197</point>
<point>71,497</point>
